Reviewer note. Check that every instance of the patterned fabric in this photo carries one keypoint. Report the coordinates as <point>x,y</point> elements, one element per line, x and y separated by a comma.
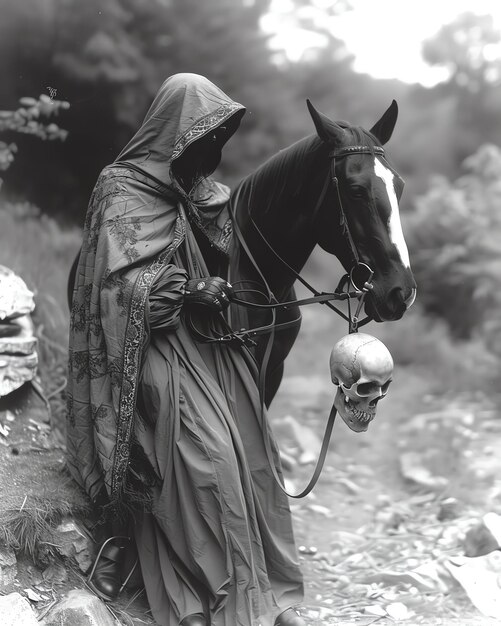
<point>186,108</point>
<point>128,220</point>
<point>158,419</point>
<point>135,222</point>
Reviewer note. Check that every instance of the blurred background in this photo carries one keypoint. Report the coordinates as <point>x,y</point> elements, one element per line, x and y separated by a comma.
<point>77,77</point>
<point>98,65</point>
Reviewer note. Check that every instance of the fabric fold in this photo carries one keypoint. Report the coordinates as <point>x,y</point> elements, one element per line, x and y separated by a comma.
<point>163,424</point>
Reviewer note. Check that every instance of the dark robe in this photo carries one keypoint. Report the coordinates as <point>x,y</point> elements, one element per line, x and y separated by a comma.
<point>155,419</point>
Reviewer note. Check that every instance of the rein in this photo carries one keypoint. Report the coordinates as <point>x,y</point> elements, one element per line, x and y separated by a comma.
<point>244,337</point>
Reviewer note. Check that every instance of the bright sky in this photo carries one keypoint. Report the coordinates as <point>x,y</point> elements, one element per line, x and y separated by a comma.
<point>384,35</point>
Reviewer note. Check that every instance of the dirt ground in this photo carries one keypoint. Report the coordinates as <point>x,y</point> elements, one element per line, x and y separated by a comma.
<point>364,518</point>
<point>366,527</point>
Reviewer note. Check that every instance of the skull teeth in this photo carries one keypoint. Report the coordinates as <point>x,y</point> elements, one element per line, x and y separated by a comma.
<point>362,416</point>
<point>358,414</point>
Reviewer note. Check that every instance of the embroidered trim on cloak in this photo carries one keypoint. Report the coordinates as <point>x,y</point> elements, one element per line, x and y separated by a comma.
<point>131,363</point>
<point>203,126</point>
<point>219,237</point>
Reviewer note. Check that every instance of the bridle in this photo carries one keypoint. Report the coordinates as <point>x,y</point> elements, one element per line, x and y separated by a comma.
<point>244,337</point>
<point>361,284</point>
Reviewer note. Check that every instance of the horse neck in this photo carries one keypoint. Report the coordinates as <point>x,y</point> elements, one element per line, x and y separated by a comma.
<point>281,196</point>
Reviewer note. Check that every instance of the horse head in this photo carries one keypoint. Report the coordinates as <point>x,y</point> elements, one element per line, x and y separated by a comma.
<point>368,192</point>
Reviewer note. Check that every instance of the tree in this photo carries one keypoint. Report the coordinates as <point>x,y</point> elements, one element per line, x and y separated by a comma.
<point>109,58</point>
<point>462,47</point>
<point>30,118</point>
<point>453,237</point>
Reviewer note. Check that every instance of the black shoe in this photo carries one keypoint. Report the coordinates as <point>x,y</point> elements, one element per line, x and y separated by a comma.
<point>290,618</point>
<point>105,576</point>
<point>194,620</point>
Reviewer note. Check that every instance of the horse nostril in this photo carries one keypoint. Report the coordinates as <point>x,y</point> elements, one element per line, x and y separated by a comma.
<point>396,297</point>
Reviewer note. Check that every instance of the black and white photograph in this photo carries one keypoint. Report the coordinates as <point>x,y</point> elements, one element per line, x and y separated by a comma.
<point>250,312</point>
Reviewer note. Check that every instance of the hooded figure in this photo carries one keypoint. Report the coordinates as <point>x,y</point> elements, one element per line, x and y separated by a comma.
<point>156,421</point>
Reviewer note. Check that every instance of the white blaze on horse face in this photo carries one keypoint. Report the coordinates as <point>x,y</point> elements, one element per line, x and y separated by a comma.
<point>394,225</point>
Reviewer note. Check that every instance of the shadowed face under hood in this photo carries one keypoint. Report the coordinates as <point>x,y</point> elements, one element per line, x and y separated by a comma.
<point>182,119</point>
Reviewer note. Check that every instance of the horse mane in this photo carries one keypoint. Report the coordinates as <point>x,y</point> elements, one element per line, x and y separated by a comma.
<point>294,156</point>
<point>295,163</point>
<point>293,170</point>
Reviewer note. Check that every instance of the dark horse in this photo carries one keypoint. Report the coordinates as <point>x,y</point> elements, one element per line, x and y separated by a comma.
<point>291,204</point>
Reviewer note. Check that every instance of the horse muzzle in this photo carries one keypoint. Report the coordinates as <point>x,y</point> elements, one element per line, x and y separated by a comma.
<point>390,306</point>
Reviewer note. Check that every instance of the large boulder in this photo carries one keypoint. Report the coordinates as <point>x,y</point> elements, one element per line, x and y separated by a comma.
<point>15,297</point>
<point>16,611</point>
<point>79,608</point>
<point>18,344</point>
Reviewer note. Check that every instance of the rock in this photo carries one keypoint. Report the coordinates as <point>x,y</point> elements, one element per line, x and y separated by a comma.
<point>18,344</point>
<point>73,543</point>
<point>8,567</point>
<point>18,354</point>
<point>16,611</point>
<point>79,608</point>
<point>448,509</point>
<point>55,573</point>
<point>450,415</point>
<point>304,437</point>
<point>484,537</point>
<point>21,339</point>
<point>15,370</point>
<point>389,519</point>
<point>479,577</point>
<point>413,469</point>
<point>15,297</point>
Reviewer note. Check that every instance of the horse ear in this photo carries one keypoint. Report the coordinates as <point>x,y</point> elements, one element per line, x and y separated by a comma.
<point>383,129</point>
<point>327,130</point>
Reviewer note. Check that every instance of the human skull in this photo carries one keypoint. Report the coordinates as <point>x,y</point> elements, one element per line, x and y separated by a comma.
<point>361,367</point>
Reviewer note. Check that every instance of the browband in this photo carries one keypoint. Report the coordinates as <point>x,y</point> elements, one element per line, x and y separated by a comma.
<point>357,150</point>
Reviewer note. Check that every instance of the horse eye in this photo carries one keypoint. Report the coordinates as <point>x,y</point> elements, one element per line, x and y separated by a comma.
<point>357,191</point>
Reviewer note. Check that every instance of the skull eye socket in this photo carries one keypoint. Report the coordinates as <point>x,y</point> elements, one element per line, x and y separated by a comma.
<point>368,389</point>
<point>384,388</point>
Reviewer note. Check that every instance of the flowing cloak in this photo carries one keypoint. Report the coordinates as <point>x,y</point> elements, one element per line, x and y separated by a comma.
<point>153,414</point>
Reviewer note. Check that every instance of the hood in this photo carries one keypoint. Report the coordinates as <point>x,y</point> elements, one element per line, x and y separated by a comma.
<point>186,108</point>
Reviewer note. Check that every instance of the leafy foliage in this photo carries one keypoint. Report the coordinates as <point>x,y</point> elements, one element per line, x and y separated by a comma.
<point>460,46</point>
<point>109,59</point>
<point>26,119</point>
<point>454,236</point>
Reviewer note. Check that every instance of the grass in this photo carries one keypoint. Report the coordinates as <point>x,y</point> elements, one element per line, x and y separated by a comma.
<point>30,529</point>
<point>35,491</point>
<point>41,252</point>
